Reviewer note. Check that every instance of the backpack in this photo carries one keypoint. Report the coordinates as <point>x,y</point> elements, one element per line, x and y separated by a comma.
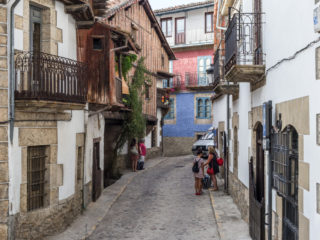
<point>195,167</point>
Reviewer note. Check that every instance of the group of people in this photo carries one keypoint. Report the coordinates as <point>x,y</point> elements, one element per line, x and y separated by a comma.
<point>138,154</point>
<point>213,169</point>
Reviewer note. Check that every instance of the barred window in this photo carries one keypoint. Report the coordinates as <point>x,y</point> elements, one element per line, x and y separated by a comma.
<point>36,169</point>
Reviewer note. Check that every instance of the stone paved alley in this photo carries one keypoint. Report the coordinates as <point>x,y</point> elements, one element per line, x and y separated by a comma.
<point>159,203</point>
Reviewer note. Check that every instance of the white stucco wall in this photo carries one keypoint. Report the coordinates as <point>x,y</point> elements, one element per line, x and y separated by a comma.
<point>18,34</point>
<point>68,48</point>
<point>95,129</point>
<point>67,151</point>
<point>14,173</point>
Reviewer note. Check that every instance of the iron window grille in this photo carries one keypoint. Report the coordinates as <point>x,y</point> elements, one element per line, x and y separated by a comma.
<point>285,163</point>
<point>36,170</point>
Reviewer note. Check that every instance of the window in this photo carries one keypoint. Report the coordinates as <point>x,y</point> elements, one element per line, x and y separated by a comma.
<point>166,25</point>
<point>204,63</point>
<point>97,42</point>
<point>147,91</point>
<point>180,30</point>
<point>170,114</point>
<point>203,108</point>
<point>162,60</point>
<point>209,22</point>
<point>36,170</point>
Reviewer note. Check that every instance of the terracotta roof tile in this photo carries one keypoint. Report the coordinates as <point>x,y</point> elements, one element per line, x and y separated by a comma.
<point>183,6</point>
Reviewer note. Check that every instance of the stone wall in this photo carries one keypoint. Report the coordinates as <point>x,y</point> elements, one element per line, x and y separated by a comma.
<point>175,146</point>
<point>240,195</point>
<point>4,168</point>
<point>48,221</point>
<point>153,153</point>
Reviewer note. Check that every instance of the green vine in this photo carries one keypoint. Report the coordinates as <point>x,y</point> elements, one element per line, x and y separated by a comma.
<point>134,125</point>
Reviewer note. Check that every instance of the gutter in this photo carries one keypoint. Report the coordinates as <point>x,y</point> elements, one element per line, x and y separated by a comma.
<point>11,67</point>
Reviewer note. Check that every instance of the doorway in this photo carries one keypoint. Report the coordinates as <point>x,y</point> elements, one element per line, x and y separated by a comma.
<point>96,171</point>
<point>257,189</point>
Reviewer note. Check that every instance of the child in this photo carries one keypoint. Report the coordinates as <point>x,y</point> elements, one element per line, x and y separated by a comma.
<point>142,153</point>
<point>199,175</point>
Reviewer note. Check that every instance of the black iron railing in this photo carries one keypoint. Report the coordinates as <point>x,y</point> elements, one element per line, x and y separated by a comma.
<point>42,76</point>
<point>119,90</point>
<point>190,79</point>
<point>243,40</point>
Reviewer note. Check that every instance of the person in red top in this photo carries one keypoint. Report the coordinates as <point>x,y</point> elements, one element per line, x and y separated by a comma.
<point>142,153</point>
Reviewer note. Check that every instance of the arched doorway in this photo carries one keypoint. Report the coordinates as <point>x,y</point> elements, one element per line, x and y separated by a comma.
<point>285,154</point>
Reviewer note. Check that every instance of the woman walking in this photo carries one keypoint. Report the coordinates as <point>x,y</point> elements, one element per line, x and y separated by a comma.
<point>198,176</point>
<point>134,154</point>
<point>213,167</point>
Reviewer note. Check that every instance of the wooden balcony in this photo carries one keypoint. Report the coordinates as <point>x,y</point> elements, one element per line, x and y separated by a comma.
<point>48,81</point>
<point>244,58</point>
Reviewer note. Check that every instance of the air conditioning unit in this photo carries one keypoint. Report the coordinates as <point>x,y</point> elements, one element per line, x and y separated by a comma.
<point>316,19</point>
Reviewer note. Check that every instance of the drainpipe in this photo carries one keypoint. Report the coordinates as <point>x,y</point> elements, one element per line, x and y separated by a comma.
<point>217,25</point>
<point>11,67</point>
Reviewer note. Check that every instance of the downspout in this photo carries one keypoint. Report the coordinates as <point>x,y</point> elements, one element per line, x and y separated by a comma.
<point>11,67</point>
<point>217,25</point>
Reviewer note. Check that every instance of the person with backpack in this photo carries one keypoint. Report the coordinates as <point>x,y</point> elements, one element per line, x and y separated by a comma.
<point>198,170</point>
<point>213,167</point>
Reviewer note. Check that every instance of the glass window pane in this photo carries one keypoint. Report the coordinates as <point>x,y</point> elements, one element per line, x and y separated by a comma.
<point>169,25</point>
<point>180,26</point>
<point>209,22</point>
<point>163,26</point>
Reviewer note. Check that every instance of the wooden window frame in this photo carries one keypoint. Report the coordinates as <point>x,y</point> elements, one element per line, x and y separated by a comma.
<point>205,20</point>
<point>198,115</point>
<point>185,29</point>
<point>166,20</point>
<point>102,37</point>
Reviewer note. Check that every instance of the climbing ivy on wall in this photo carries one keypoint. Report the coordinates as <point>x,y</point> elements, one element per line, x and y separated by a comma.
<point>134,125</point>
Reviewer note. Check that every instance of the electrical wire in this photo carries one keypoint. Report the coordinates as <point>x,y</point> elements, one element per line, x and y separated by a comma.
<point>293,56</point>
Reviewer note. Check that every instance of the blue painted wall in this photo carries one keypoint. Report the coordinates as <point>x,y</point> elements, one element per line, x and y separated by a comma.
<point>185,125</point>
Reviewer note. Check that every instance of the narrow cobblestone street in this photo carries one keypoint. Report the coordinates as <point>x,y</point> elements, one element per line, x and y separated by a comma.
<point>160,204</point>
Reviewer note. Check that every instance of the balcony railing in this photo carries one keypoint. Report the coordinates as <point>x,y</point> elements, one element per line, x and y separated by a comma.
<point>190,79</point>
<point>42,76</point>
<point>243,40</point>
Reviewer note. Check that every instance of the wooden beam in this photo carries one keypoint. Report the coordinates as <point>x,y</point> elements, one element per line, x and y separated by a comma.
<point>85,24</point>
<point>76,8</point>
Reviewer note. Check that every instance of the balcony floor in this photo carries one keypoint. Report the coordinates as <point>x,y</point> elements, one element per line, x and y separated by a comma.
<point>46,106</point>
<point>246,73</point>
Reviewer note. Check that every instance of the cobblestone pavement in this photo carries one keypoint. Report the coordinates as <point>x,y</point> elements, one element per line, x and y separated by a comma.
<point>160,204</point>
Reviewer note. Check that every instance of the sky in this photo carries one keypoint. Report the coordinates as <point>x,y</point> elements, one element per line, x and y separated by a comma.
<point>157,4</point>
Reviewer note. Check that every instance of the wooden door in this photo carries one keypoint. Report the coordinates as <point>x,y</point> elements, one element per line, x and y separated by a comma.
<point>96,172</point>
